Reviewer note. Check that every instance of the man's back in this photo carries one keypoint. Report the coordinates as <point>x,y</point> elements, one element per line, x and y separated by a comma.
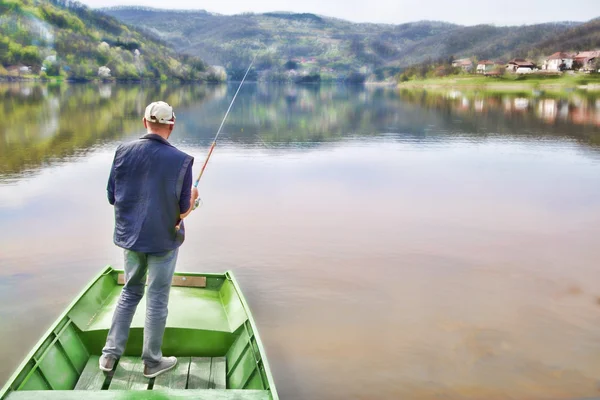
<point>147,179</point>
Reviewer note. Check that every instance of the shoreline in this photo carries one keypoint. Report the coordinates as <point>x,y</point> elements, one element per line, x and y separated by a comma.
<point>4,79</point>
<point>470,83</point>
<point>14,79</point>
<point>588,83</point>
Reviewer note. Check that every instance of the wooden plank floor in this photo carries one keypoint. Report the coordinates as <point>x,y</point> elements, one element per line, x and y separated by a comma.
<point>199,375</point>
<point>207,373</point>
<point>190,373</point>
<point>218,376</point>
<point>92,377</point>
<point>129,375</point>
<point>176,378</point>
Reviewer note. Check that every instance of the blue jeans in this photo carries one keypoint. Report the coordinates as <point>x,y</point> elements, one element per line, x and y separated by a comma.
<point>160,268</point>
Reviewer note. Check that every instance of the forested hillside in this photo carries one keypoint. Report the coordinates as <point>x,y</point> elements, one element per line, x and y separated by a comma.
<point>305,44</point>
<point>579,38</point>
<point>66,38</point>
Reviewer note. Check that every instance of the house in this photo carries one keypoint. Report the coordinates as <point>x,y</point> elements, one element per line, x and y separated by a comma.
<point>104,72</point>
<point>311,60</point>
<point>365,70</point>
<point>586,59</point>
<point>559,61</point>
<point>50,59</point>
<point>13,69</point>
<point>18,70</point>
<point>464,63</point>
<point>485,67</point>
<point>520,65</point>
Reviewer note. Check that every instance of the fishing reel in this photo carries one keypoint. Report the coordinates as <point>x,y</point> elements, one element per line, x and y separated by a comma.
<point>198,203</point>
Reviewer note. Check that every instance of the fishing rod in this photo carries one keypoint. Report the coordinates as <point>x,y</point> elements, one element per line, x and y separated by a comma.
<point>214,143</point>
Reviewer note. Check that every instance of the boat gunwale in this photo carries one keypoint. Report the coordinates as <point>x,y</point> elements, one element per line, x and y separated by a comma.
<point>6,388</point>
<point>272,389</point>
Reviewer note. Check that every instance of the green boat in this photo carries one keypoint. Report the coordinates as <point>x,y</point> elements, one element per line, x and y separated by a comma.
<point>209,328</point>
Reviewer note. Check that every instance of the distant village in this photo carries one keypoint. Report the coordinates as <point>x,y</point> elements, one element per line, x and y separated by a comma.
<point>584,61</point>
<point>300,68</point>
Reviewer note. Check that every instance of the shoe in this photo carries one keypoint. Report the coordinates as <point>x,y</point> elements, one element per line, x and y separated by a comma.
<point>107,363</point>
<point>165,364</point>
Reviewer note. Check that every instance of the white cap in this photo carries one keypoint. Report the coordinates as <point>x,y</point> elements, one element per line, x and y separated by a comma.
<point>160,112</point>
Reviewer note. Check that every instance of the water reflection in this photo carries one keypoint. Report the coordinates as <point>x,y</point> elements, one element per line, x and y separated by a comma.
<point>284,116</point>
<point>579,108</point>
<point>567,115</point>
<point>43,124</point>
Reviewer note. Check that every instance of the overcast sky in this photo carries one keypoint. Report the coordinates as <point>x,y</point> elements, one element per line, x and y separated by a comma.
<point>466,12</point>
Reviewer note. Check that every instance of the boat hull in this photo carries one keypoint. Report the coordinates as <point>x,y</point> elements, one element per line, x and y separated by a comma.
<point>209,319</point>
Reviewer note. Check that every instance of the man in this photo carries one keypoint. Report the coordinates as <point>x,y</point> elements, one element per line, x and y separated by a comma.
<point>150,186</point>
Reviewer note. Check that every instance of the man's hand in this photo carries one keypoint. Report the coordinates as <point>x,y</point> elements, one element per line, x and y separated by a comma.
<point>193,198</point>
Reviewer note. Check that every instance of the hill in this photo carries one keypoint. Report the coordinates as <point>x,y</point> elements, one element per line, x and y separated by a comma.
<point>66,38</point>
<point>578,38</point>
<point>311,42</point>
<point>489,42</point>
<point>334,48</point>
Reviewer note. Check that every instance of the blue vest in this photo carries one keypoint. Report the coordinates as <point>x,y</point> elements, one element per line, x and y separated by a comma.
<point>148,178</point>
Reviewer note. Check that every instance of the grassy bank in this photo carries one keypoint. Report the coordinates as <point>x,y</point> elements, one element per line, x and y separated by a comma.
<point>510,82</point>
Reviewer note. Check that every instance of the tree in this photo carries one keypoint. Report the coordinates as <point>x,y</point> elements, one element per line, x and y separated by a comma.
<point>423,69</point>
<point>31,56</point>
<point>356,77</point>
<point>3,49</point>
<point>52,68</point>
<point>596,64</point>
<point>291,64</point>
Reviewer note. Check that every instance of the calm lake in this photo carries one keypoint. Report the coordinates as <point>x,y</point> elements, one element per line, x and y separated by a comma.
<point>392,245</point>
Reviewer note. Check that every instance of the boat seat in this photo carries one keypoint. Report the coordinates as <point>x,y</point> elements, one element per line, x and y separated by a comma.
<point>190,373</point>
<point>182,300</point>
<point>182,394</point>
